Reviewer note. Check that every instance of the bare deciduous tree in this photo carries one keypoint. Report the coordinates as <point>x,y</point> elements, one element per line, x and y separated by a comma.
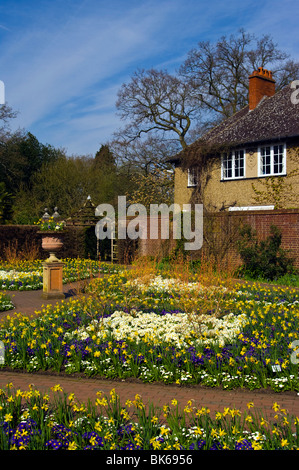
<point>218,72</point>
<point>6,114</point>
<point>156,101</point>
<point>149,172</point>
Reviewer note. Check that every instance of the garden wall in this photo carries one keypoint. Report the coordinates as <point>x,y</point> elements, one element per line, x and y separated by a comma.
<point>221,231</point>
<point>286,220</point>
<point>220,237</point>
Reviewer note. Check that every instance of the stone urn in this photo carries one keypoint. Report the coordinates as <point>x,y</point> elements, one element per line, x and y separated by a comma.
<point>52,242</point>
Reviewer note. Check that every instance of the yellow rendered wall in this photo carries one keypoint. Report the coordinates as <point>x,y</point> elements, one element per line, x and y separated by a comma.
<point>218,194</point>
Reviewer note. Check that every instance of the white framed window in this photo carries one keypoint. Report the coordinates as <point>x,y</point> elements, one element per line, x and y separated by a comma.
<point>272,160</point>
<point>192,177</point>
<point>233,165</point>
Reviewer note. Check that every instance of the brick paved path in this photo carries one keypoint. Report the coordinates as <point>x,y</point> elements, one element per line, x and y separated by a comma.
<point>27,302</point>
<point>159,394</point>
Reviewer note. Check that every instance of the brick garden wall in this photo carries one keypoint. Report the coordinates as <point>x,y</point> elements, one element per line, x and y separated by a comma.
<point>287,220</point>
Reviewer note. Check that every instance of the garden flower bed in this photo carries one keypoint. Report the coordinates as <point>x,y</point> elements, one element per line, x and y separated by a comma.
<point>24,275</point>
<point>180,330</point>
<point>15,280</point>
<point>5,302</point>
<point>30,420</point>
<point>161,329</point>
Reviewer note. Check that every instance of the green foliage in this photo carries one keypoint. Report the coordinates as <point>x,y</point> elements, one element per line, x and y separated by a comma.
<point>5,204</point>
<point>65,183</point>
<point>36,154</point>
<point>104,158</point>
<point>21,156</point>
<point>263,259</point>
<point>276,190</point>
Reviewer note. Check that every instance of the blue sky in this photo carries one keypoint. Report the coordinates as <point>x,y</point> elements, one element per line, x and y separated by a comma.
<point>63,61</point>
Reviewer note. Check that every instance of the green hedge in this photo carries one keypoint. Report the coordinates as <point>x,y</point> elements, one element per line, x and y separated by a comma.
<point>22,239</point>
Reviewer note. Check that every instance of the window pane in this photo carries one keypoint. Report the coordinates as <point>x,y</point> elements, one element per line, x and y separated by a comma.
<point>278,159</point>
<point>266,161</point>
<point>239,163</point>
<point>192,177</point>
<point>227,166</point>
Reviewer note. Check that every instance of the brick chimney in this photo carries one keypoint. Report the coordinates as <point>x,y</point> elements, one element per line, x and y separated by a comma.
<point>261,84</point>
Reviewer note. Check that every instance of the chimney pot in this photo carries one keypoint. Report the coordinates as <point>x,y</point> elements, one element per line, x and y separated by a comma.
<point>261,84</point>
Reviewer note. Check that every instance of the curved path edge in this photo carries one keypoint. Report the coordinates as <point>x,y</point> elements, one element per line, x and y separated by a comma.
<point>158,394</point>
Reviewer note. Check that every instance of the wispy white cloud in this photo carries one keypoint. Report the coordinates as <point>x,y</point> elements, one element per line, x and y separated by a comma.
<point>63,61</point>
<point>4,27</point>
<point>51,68</point>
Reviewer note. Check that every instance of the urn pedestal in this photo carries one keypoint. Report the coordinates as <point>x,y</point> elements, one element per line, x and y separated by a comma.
<point>52,267</point>
<point>52,280</point>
